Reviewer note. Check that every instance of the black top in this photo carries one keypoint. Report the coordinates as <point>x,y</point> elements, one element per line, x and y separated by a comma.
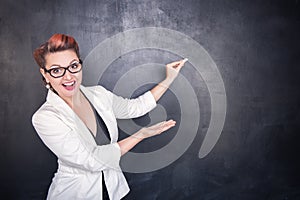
<point>102,138</point>
<point>102,135</point>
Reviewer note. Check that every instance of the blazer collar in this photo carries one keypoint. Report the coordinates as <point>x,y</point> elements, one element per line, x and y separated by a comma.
<point>64,109</point>
<point>59,103</point>
<point>71,118</point>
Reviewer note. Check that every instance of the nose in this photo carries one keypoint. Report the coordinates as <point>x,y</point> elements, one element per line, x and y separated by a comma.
<point>68,75</point>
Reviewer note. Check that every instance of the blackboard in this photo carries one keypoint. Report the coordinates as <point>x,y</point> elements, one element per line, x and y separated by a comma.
<point>255,46</point>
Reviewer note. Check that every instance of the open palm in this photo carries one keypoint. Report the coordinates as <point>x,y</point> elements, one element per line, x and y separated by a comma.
<point>156,129</point>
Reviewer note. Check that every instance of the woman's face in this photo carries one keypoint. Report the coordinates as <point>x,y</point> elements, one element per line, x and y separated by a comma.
<point>67,85</point>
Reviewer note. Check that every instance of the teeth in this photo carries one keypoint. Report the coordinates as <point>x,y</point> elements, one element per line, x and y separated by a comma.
<point>69,84</point>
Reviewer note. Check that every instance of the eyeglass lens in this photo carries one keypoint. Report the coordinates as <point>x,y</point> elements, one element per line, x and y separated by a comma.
<point>60,71</point>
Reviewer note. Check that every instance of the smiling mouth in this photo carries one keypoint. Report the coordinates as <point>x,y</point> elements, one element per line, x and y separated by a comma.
<point>70,84</point>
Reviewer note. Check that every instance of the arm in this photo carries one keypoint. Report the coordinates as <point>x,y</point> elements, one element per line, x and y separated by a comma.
<point>69,148</point>
<point>129,142</point>
<point>124,108</point>
<point>172,70</point>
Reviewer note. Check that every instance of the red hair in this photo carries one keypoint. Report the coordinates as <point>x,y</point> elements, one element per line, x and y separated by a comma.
<point>57,42</point>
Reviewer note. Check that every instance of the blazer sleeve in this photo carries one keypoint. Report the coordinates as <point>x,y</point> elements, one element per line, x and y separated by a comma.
<point>125,108</point>
<point>70,148</point>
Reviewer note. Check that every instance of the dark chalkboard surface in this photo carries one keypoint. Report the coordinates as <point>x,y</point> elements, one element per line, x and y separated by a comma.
<point>255,46</point>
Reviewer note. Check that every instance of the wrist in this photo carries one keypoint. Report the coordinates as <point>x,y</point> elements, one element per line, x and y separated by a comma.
<point>167,81</point>
<point>139,136</point>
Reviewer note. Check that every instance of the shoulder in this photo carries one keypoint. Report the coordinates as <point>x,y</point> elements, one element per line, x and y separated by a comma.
<point>99,92</point>
<point>97,89</point>
<point>46,112</point>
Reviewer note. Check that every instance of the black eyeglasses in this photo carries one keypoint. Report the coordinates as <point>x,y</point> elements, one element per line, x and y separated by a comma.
<point>59,71</point>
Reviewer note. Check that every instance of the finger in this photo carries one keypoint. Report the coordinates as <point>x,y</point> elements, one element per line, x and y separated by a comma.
<point>177,65</point>
<point>159,124</point>
<point>166,122</point>
<point>173,64</point>
<point>181,64</point>
<point>169,124</point>
<point>163,124</point>
<point>167,127</point>
<point>157,127</point>
<point>171,121</point>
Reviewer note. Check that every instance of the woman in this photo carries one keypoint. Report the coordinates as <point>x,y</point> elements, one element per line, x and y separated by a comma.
<point>78,124</point>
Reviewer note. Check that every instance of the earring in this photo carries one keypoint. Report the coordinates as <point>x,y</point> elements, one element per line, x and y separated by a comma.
<point>48,86</point>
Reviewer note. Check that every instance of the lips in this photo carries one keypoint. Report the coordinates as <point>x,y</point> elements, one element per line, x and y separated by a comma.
<point>69,85</point>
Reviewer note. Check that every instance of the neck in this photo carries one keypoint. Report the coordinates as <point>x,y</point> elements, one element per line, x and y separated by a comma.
<point>75,100</point>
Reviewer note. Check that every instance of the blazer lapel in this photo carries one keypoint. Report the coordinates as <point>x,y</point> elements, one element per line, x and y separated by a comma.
<point>72,120</point>
<point>68,116</point>
<point>103,110</point>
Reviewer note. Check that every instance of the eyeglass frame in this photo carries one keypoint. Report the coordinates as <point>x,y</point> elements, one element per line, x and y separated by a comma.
<point>65,68</point>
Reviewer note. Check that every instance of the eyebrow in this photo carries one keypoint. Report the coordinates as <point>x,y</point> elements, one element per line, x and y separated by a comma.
<point>57,65</point>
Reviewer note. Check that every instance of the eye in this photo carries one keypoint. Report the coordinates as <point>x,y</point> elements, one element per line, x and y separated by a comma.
<point>74,65</point>
<point>56,71</point>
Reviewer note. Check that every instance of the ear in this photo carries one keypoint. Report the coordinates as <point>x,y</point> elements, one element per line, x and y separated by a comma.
<point>42,71</point>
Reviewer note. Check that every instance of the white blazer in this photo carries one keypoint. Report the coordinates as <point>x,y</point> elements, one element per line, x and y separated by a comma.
<point>80,160</point>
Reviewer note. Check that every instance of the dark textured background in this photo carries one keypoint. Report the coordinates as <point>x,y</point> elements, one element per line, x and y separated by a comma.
<point>255,45</point>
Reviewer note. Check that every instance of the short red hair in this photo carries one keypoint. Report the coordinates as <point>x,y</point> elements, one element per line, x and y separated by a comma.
<point>57,42</point>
